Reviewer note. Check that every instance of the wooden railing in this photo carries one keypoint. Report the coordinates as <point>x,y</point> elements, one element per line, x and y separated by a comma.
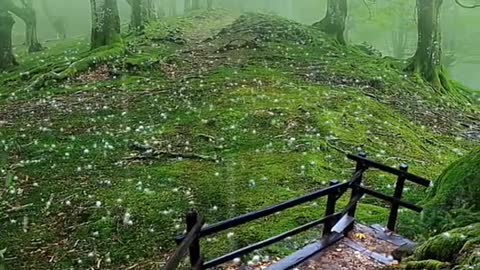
<point>333,222</point>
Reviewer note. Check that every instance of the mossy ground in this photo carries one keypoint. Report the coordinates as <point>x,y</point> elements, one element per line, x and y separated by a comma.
<point>279,114</point>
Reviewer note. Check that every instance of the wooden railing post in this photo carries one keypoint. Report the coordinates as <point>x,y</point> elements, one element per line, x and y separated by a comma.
<point>392,219</point>
<point>194,250</point>
<point>358,182</point>
<point>330,210</point>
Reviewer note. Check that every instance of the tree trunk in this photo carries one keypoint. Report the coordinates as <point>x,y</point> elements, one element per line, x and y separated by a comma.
<point>209,4</point>
<point>27,14</point>
<point>105,23</point>
<point>334,22</point>
<point>57,22</point>
<point>187,6</point>
<point>7,59</point>
<point>427,60</point>
<point>172,8</point>
<point>143,11</point>
<point>196,4</point>
<point>399,39</point>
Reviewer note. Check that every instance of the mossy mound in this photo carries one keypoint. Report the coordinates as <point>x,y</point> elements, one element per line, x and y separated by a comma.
<point>270,28</point>
<point>454,200</point>
<point>456,249</point>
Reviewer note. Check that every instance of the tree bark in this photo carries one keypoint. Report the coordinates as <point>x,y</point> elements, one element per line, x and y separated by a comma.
<point>27,14</point>
<point>334,21</point>
<point>105,23</point>
<point>7,58</point>
<point>427,60</point>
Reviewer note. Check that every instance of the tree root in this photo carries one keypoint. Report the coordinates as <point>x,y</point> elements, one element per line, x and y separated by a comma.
<point>148,153</point>
<point>97,56</point>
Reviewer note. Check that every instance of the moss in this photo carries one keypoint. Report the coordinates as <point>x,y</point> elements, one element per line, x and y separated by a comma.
<point>470,253</point>
<point>427,265</point>
<point>454,199</point>
<point>445,247</point>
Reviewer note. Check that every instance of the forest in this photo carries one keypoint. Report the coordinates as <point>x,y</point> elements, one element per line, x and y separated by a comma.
<point>132,130</point>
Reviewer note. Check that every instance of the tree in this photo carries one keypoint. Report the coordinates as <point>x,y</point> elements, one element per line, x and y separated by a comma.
<point>7,58</point>
<point>334,21</point>
<point>196,4</point>
<point>187,5</point>
<point>427,60</point>
<point>57,22</point>
<point>105,23</point>
<point>209,4</point>
<point>143,11</point>
<point>26,13</point>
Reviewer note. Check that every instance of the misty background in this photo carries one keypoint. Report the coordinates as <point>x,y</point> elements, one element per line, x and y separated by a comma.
<point>374,22</point>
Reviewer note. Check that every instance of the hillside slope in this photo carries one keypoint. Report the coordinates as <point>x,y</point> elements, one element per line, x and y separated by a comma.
<point>245,113</point>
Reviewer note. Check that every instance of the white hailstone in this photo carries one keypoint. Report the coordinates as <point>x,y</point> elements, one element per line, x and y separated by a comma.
<point>252,183</point>
<point>256,259</point>
<point>447,234</point>
<point>217,173</point>
<point>130,223</point>
<point>177,226</point>
<point>91,254</point>
<point>151,230</point>
<point>215,208</point>
<point>68,203</point>
<point>230,235</point>
<point>266,259</point>
<point>237,261</point>
<point>302,167</point>
<point>86,151</point>
<point>95,234</point>
<point>250,263</point>
<point>264,178</point>
<point>98,204</point>
<point>108,260</point>
<point>119,200</point>
<point>35,184</point>
<point>79,261</point>
<point>67,154</point>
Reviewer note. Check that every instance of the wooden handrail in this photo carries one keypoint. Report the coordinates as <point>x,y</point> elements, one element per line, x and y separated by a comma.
<point>408,176</point>
<point>332,224</point>
<point>182,249</point>
<point>234,222</point>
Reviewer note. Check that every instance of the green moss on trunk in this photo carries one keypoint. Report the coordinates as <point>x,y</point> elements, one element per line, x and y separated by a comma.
<point>427,60</point>
<point>105,23</point>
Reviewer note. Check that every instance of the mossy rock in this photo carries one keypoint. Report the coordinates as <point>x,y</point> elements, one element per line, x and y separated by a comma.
<point>470,254</point>
<point>454,199</point>
<point>445,247</point>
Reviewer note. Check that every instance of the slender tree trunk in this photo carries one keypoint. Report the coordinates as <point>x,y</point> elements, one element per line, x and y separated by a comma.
<point>7,58</point>
<point>172,7</point>
<point>196,4</point>
<point>187,5</point>
<point>143,11</point>
<point>105,23</point>
<point>209,4</point>
<point>57,22</point>
<point>399,39</point>
<point>427,60</point>
<point>334,21</point>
